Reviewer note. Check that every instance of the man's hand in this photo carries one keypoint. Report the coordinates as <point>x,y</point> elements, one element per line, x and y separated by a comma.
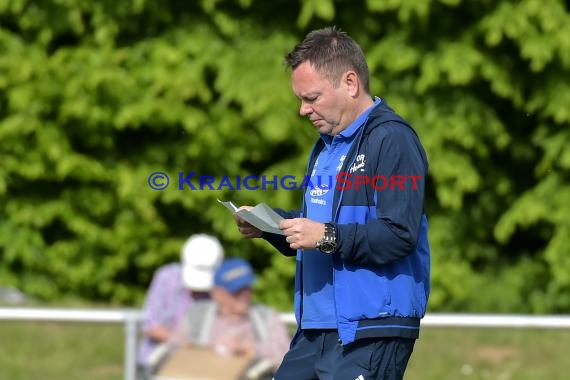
<point>232,345</point>
<point>159,333</point>
<point>302,232</point>
<point>245,229</point>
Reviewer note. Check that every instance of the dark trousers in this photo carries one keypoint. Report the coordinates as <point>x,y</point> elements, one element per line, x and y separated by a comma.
<point>318,355</point>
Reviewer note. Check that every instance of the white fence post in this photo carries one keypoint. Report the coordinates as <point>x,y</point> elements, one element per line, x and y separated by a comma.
<point>130,347</point>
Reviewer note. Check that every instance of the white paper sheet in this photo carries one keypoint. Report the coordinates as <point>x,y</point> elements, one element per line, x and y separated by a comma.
<point>261,216</point>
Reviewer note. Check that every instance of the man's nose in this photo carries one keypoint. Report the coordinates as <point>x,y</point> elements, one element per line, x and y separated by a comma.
<point>305,109</point>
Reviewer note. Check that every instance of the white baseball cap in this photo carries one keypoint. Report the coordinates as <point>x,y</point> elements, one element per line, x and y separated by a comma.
<point>201,255</point>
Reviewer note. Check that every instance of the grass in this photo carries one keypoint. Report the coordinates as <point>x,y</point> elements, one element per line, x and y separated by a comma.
<point>77,351</point>
<point>61,351</point>
<point>485,354</point>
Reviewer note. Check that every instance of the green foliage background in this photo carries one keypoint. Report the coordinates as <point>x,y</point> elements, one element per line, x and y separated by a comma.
<point>97,95</point>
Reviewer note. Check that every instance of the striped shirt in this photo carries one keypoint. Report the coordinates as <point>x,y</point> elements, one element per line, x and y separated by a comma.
<point>166,302</point>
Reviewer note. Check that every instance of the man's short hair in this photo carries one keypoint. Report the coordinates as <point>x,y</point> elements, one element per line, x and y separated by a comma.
<point>331,52</point>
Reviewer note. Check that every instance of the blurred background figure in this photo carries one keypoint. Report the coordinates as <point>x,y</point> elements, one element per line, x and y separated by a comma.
<point>231,325</point>
<point>173,289</point>
<point>12,296</point>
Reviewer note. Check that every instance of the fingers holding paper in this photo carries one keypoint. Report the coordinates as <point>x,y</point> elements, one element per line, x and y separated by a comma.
<point>302,233</point>
<point>245,229</point>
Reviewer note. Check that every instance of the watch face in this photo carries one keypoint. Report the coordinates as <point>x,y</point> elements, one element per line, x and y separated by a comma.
<point>327,247</point>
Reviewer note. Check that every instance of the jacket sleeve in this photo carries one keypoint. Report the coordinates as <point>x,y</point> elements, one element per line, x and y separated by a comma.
<point>402,162</point>
<point>278,241</point>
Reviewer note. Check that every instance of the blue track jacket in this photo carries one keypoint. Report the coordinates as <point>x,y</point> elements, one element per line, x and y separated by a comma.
<point>382,264</point>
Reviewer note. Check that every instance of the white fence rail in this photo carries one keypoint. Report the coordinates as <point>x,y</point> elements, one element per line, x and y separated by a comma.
<point>132,317</point>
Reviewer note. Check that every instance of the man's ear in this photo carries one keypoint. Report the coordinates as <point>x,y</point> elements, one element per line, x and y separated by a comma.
<point>350,80</point>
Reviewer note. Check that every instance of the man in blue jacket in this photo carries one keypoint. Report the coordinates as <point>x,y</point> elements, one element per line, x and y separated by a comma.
<point>360,238</point>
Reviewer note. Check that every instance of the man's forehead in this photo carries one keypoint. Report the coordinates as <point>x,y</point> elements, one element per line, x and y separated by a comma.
<point>307,82</point>
<point>305,71</point>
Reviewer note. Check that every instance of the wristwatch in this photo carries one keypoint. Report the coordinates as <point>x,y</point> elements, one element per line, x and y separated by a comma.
<point>328,243</point>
